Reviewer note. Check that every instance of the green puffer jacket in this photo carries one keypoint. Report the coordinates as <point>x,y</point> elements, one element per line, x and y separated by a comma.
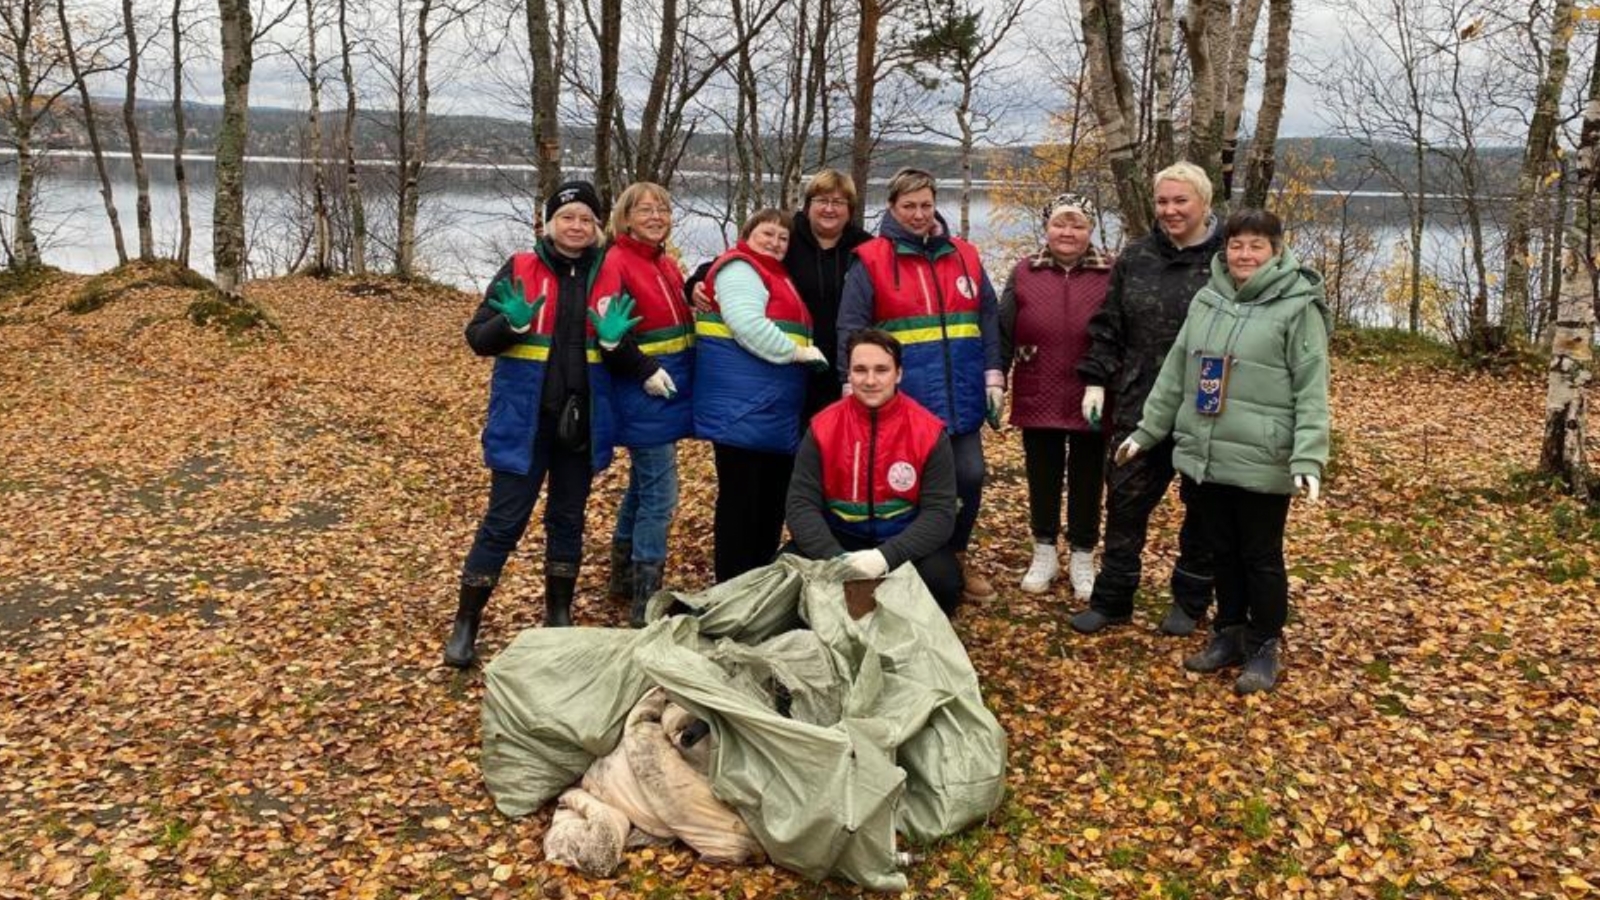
<point>1274,422</point>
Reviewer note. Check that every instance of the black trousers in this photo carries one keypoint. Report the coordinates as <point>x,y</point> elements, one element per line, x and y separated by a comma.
<point>511,501</point>
<point>1133,491</point>
<point>1052,455</point>
<point>1245,532</point>
<point>752,488</point>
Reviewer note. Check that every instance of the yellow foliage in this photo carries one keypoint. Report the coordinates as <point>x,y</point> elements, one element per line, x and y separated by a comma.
<point>1071,157</point>
<point>1436,297</point>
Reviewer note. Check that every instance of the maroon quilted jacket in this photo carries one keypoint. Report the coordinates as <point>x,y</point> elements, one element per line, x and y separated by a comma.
<point>1044,327</point>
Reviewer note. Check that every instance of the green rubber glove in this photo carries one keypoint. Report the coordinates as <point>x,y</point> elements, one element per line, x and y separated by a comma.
<point>612,327</point>
<point>506,298</point>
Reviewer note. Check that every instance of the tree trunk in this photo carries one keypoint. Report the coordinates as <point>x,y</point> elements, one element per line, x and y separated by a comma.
<point>1205,108</point>
<point>649,157</point>
<point>1164,150</point>
<point>141,175</point>
<point>179,176</point>
<point>1238,77</point>
<point>25,252</point>
<point>866,81</point>
<point>227,216</point>
<point>92,128</point>
<point>1535,164</point>
<point>1571,370</point>
<point>605,179</point>
<point>320,240</point>
<point>546,88</point>
<point>410,200</point>
<point>352,177</point>
<point>1113,107</point>
<point>1264,144</point>
<point>964,124</point>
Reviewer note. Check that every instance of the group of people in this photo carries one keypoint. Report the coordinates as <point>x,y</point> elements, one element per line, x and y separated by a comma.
<point>843,378</point>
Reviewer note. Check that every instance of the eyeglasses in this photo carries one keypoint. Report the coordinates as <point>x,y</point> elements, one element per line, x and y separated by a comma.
<point>830,202</point>
<point>648,211</point>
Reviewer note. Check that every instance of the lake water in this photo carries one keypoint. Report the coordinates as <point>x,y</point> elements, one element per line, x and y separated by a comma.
<point>470,218</point>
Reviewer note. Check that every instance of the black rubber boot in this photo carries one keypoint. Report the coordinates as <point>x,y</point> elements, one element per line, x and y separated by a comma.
<point>461,650</point>
<point>1225,649</point>
<point>1178,622</point>
<point>1094,621</point>
<point>646,582</point>
<point>1261,670</point>
<point>621,587</point>
<point>560,581</point>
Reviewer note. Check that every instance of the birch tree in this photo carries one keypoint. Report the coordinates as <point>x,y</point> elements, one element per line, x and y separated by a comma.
<point>1115,107</point>
<point>321,243</point>
<point>1536,163</point>
<point>34,76</point>
<point>89,49</point>
<point>1275,83</point>
<point>130,124</point>
<point>229,257</point>
<point>352,172</point>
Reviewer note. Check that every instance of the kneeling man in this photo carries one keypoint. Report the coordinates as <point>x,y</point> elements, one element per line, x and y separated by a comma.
<point>874,479</point>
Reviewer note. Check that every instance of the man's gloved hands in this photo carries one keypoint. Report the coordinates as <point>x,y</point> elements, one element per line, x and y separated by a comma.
<point>866,564</point>
<point>1094,402</point>
<point>1309,486</point>
<point>660,385</point>
<point>612,327</point>
<point>1129,449</point>
<point>811,356</point>
<point>506,298</point>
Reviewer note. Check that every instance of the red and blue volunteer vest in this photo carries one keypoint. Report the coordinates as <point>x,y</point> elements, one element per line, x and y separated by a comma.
<point>931,306</point>
<point>666,333</point>
<point>740,399</point>
<point>518,380</point>
<point>872,464</point>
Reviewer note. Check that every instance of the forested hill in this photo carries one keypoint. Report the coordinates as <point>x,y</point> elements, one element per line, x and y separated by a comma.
<point>282,132</point>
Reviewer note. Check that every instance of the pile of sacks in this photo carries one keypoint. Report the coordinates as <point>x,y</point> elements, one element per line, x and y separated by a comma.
<point>760,717</point>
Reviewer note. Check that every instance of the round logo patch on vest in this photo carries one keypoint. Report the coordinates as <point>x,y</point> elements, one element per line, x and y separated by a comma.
<point>902,476</point>
<point>965,286</point>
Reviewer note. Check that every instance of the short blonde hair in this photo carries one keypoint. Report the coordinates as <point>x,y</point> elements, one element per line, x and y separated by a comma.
<point>832,181</point>
<point>631,197</point>
<point>1187,173</point>
<point>909,181</point>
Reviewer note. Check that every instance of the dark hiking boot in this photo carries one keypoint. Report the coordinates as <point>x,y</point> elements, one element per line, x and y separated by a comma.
<point>1092,620</point>
<point>1178,622</point>
<point>560,582</point>
<point>461,650</point>
<point>1261,670</point>
<point>1226,648</point>
<point>646,582</point>
<point>620,588</point>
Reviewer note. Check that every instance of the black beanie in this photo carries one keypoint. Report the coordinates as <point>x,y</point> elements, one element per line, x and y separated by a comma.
<point>574,192</point>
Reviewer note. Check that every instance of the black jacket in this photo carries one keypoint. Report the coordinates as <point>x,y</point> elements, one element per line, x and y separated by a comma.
<point>1151,286</point>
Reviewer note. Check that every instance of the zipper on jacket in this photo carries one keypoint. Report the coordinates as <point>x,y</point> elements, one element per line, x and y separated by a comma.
<point>872,462</point>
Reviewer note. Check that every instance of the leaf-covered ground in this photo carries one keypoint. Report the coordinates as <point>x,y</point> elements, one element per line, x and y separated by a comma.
<point>227,565</point>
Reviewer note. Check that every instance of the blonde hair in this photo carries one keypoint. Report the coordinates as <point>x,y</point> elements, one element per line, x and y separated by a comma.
<point>630,198</point>
<point>1187,173</point>
<point>832,181</point>
<point>909,181</point>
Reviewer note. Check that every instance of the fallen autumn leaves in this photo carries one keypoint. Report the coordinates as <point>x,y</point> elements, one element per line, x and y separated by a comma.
<point>227,566</point>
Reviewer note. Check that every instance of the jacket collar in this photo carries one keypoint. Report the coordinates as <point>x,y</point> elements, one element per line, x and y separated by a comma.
<point>643,248</point>
<point>1093,259</point>
<point>933,245</point>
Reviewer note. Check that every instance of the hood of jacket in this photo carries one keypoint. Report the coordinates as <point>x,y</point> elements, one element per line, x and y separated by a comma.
<point>1282,280</point>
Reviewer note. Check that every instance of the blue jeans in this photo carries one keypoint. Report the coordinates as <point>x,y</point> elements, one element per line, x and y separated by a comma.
<point>968,452</point>
<point>652,498</point>
<point>511,501</point>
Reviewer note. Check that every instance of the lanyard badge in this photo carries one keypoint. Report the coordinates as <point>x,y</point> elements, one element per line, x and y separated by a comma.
<point>1213,392</point>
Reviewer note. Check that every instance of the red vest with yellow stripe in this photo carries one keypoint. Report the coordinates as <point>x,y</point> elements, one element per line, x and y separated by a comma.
<point>932,306</point>
<point>872,464</point>
<point>740,399</point>
<point>665,333</point>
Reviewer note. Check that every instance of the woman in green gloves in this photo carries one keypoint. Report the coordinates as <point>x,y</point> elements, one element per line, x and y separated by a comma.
<point>1244,393</point>
<point>545,418</point>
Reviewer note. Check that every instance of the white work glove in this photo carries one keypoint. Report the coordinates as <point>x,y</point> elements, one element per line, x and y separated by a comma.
<point>1129,449</point>
<point>1309,486</point>
<point>660,385</point>
<point>1094,401</point>
<point>810,356</point>
<point>867,563</point>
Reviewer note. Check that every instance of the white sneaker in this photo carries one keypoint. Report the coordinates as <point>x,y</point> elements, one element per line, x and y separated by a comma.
<point>1080,568</point>
<point>1043,570</point>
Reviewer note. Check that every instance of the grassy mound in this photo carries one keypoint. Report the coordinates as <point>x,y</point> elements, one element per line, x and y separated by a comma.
<point>109,286</point>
